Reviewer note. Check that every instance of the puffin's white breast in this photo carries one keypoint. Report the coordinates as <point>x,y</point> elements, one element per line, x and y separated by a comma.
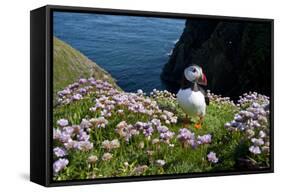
<point>193,103</point>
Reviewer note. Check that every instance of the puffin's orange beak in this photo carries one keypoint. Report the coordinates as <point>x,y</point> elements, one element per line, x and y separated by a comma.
<point>202,80</point>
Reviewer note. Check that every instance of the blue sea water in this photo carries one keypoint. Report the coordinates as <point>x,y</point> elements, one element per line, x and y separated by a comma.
<point>132,49</point>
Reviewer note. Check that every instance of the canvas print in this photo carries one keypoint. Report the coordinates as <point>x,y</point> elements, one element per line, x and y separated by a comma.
<point>148,96</point>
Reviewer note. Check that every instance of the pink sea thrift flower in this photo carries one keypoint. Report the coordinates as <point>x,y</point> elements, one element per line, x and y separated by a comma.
<point>62,122</point>
<point>160,162</point>
<point>77,96</point>
<point>59,152</point>
<point>212,157</point>
<point>60,164</point>
<point>82,81</point>
<point>204,139</point>
<point>255,149</point>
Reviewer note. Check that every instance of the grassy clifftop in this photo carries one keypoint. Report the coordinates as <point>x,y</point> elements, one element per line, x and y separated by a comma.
<point>102,132</point>
<point>70,64</point>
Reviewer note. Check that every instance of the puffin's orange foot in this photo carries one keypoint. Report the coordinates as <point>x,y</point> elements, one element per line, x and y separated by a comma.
<point>198,125</point>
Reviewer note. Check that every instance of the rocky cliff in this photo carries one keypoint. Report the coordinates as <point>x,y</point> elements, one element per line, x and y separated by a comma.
<point>236,56</point>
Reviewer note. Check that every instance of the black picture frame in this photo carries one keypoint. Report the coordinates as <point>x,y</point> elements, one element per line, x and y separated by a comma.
<point>41,58</point>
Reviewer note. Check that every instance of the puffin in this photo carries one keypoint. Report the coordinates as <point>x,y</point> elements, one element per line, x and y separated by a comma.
<point>191,97</point>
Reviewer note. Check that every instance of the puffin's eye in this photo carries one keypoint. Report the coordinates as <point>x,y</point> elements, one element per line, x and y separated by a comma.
<point>193,70</point>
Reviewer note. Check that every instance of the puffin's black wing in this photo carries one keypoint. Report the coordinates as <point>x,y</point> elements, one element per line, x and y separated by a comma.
<point>195,87</point>
<point>207,100</point>
<point>185,83</point>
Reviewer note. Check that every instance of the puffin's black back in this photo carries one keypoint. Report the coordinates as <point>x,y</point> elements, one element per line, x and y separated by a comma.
<point>185,83</point>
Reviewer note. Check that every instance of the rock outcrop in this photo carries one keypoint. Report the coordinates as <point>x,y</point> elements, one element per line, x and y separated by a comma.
<point>236,56</point>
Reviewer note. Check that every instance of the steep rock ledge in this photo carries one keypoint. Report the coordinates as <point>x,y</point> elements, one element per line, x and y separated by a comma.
<point>234,55</point>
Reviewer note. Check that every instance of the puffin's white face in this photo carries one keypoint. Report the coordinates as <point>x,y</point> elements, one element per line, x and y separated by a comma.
<point>194,74</point>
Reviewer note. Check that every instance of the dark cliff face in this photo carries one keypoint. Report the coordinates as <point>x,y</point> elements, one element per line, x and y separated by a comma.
<point>235,56</point>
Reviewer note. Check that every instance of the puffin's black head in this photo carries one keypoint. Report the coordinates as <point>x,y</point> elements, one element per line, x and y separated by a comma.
<point>195,74</point>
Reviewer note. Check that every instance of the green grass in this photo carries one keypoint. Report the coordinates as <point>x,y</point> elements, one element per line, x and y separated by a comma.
<point>178,159</point>
<point>70,65</point>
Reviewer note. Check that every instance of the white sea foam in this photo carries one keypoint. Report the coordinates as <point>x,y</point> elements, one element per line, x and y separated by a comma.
<point>175,41</point>
<point>170,53</point>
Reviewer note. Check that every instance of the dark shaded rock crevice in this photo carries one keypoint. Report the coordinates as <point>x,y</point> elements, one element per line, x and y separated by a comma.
<point>235,56</point>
